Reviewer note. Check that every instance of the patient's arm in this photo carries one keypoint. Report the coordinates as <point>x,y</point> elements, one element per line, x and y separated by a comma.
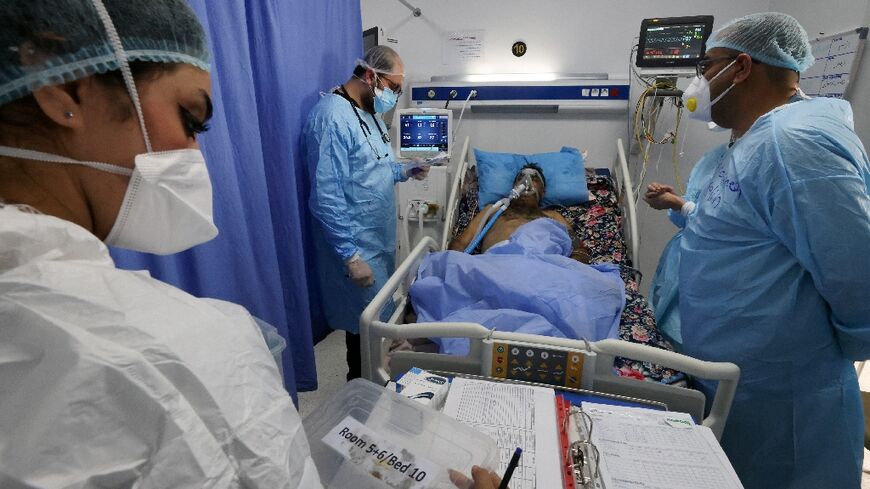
<point>462,241</point>
<point>579,251</point>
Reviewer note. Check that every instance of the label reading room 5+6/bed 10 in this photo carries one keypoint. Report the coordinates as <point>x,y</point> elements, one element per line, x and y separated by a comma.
<point>379,458</point>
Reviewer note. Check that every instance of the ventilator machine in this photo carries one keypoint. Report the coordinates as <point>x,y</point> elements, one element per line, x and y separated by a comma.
<point>426,134</point>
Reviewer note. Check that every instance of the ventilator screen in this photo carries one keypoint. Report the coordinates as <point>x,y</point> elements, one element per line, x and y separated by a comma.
<point>424,133</point>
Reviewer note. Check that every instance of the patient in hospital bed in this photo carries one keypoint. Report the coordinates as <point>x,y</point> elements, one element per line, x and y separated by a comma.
<point>529,279</point>
<point>524,209</point>
<point>596,224</point>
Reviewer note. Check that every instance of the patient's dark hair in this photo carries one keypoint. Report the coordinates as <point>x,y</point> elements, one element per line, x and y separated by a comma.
<point>533,166</point>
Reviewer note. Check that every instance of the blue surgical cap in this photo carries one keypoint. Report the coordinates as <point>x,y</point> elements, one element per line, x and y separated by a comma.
<point>50,42</point>
<point>772,38</point>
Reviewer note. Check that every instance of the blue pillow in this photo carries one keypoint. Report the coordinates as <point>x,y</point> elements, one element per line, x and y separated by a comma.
<point>564,172</point>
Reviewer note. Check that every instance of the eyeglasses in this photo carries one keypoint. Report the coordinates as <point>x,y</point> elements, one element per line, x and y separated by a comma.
<point>703,65</point>
<point>395,87</point>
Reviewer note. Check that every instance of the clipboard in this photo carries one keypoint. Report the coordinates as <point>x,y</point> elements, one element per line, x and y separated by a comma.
<point>577,457</point>
<point>563,409</point>
<point>580,457</point>
<point>586,459</point>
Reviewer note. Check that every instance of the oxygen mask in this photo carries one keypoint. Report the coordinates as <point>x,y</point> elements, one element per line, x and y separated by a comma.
<point>528,178</point>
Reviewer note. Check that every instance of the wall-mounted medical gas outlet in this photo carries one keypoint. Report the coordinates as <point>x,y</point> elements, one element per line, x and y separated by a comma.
<point>428,209</point>
<point>594,93</point>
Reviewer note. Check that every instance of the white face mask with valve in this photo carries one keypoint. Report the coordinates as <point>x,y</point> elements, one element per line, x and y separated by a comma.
<point>168,204</point>
<point>696,97</point>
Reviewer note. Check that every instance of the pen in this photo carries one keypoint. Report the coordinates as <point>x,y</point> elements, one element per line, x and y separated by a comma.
<point>515,460</point>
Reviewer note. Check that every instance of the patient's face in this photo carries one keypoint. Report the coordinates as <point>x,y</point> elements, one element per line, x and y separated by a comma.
<point>531,196</point>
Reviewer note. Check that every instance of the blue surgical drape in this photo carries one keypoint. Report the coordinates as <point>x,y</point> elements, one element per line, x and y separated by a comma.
<point>270,60</point>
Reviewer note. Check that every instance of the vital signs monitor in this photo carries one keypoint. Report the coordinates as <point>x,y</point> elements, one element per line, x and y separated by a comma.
<point>424,133</point>
<point>673,42</point>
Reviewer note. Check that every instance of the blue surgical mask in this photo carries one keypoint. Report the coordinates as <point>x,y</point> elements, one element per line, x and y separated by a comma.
<point>385,99</point>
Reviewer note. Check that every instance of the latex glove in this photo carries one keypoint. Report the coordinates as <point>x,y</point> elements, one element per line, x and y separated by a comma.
<point>417,169</point>
<point>483,479</point>
<point>360,272</point>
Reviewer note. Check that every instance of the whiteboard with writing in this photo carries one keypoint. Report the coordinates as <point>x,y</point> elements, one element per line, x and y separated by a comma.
<point>837,60</point>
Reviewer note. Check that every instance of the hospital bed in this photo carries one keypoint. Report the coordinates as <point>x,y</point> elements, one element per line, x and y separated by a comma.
<point>569,363</point>
<point>602,223</point>
<point>595,359</point>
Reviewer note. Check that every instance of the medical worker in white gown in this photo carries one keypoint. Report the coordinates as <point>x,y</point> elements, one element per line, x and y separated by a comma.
<point>110,378</point>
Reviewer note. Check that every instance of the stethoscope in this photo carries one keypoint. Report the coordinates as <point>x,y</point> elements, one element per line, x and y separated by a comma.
<point>341,91</point>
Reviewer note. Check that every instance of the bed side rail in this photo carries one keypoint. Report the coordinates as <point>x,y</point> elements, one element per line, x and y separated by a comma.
<point>372,351</point>
<point>626,195</point>
<point>455,195</point>
<point>728,374</point>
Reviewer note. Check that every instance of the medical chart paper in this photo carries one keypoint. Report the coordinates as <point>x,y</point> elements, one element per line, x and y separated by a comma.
<point>514,416</point>
<point>646,449</point>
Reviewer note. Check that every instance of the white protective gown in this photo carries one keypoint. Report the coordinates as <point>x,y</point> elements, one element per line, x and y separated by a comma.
<point>111,378</point>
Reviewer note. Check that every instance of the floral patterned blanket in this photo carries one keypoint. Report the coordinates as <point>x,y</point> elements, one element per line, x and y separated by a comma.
<point>598,223</point>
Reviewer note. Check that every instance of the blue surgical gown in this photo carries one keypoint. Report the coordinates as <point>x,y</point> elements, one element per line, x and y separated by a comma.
<point>773,277</point>
<point>664,291</point>
<point>353,204</point>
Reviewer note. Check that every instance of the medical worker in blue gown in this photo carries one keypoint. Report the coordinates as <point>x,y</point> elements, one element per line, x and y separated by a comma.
<point>774,265</point>
<point>352,199</point>
<point>664,295</point>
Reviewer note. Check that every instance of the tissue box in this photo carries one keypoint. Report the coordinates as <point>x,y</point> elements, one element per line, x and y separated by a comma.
<point>423,387</point>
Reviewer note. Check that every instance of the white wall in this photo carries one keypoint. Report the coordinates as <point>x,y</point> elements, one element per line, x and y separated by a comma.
<point>861,92</point>
<point>574,36</point>
<point>820,18</point>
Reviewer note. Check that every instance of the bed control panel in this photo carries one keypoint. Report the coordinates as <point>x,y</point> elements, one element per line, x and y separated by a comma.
<point>538,363</point>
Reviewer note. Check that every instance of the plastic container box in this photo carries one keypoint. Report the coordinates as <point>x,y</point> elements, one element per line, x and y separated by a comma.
<point>274,341</point>
<point>367,437</point>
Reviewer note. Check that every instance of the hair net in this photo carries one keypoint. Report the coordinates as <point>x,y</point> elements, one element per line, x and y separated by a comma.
<point>381,59</point>
<point>770,37</point>
<point>49,42</point>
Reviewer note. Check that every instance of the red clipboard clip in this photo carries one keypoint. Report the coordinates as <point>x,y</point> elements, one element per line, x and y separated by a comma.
<point>563,409</point>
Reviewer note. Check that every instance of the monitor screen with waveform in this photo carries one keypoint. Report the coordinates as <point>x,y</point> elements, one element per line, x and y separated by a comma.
<point>676,41</point>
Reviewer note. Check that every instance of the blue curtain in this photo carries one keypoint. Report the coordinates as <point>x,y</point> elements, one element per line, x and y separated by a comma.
<point>270,60</point>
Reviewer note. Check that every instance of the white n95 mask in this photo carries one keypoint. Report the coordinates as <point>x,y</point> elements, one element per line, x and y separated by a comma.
<point>696,97</point>
<point>168,204</point>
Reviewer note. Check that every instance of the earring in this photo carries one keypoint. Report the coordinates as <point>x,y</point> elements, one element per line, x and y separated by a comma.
<point>68,115</point>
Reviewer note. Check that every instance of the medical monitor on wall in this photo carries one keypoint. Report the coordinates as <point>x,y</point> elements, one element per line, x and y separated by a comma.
<point>370,39</point>
<point>673,42</point>
<point>423,133</point>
